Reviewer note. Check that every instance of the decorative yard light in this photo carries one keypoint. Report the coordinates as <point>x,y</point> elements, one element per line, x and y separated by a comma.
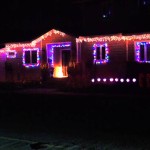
<point>116,79</point>
<point>93,80</point>
<point>111,79</point>
<point>134,79</point>
<point>121,80</point>
<point>98,79</point>
<point>104,79</point>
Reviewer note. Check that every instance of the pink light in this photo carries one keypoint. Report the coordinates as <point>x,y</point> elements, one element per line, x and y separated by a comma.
<point>128,80</point>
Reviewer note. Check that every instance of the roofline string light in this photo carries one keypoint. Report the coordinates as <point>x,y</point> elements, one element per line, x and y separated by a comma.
<point>113,38</point>
<point>33,43</point>
<point>2,50</point>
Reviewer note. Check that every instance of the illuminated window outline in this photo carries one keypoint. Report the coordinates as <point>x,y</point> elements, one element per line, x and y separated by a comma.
<point>31,64</point>
<point>50,49</point>
<point>101,61</point>
<point>11,51</point>
<point>137,52</point>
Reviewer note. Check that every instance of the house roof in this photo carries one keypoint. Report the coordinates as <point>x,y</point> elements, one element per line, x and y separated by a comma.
<point>33,42</point>
<point>114,37</point>
<point>21,37</point>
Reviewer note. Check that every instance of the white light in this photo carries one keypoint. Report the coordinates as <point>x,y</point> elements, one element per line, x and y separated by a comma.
<point>92,80</point>
<point>104,16</point>
<point>134,80</point>
<point>104,79</point>
<point>116,79</point>
<point>98,79</point>
<point>111,79</point>
<point>121,80</point>
<point>128,80</point>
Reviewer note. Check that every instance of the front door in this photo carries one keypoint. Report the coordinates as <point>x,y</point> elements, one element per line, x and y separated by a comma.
<point>58,55</point>
<point>65,61</point>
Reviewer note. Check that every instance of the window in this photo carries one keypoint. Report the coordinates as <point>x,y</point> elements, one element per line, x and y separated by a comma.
<point>31,57</point>
<point>11,54</point>
<point>100,53</point>
<point>142,52</point>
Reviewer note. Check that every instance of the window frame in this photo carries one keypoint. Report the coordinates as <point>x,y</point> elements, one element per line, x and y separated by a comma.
<point>101,60</point>
<point>31,64</point>
<point>11,51</point>
<point>137,51</point>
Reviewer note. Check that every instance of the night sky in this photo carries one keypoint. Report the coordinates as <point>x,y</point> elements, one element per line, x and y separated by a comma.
<point>27,20</point>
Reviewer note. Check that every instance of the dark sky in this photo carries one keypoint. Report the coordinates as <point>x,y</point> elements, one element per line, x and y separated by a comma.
<point>23,20</point>
<point>26,20</point>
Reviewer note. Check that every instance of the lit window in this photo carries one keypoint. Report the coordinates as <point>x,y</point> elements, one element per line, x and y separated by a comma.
<point>100,53</point>
<point>142,52</point>
<point>31,57</point>
<point>11,54</point>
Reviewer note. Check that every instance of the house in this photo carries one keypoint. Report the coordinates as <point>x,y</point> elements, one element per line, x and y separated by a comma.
<point>106,59</point>
<point>118,58</point>
<point>46,56</point>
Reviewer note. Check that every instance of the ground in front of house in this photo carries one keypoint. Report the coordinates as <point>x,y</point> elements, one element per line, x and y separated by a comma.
<point>74,120</point>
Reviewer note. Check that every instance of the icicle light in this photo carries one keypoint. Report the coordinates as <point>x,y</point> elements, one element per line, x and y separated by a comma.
<point>33,43</point>
<point>113,38</point>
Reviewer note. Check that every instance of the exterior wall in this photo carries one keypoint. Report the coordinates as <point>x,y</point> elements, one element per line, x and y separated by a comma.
<point>115,67</point>
<point>135,68</point>
<point>56,38</point>
<point>2,66</point>
<point>20,73</point>
<point>139,70</point>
